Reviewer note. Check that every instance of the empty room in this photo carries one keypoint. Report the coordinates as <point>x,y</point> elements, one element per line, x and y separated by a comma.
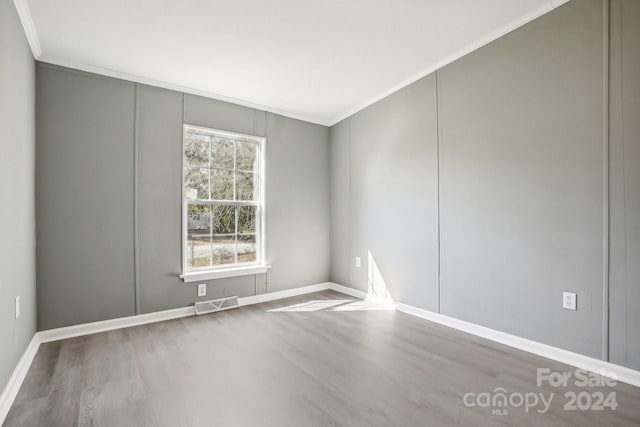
<point>320,213</point>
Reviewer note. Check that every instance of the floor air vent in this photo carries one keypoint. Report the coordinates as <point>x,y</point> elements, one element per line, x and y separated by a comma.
<point>214,305</point>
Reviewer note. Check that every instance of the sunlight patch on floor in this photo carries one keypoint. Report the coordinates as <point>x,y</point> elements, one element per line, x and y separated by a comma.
<point>362,306</point>
<point>315,305</point>
<point>332,305</point>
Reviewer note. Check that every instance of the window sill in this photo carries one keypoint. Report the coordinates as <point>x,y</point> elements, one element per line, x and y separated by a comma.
<point>194,276</point>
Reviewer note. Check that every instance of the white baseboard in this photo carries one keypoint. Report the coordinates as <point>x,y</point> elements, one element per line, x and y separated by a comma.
<point>349,291</point>
<point>159,316</point>
<point>376,299</point>
<point>272,296</point>
<point>17,377</point>
<point>626,375</point>
<point>112,324</point>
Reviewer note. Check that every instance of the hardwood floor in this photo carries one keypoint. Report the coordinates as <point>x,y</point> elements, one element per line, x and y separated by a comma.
<point>321,359</point>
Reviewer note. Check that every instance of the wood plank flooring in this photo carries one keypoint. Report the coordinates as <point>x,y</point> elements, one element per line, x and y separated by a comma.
<point>322,359</point>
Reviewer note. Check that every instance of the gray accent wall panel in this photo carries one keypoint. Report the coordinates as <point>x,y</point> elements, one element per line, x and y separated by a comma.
<point>206,112</point>
<point>625,184</point>
<point>159,172</point>
<point>260,123</point>
<point>521,162</point>
<point>297,203</point>
<point>340,192</point>
<point>85,264</point>
<point>17,190</point>
<point>105,144</point>
<point>394,196</point>
<point>159,212</point>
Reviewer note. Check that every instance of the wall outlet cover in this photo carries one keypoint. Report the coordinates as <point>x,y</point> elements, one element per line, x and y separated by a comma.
<point>569,301</point>
<point>358,262</point>
<point>202,290</point>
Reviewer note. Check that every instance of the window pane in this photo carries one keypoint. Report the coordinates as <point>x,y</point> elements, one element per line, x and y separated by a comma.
<point>247,219</point>
<point>246,248</point>
<point>222,191</point>
<point>198,251</point>
<point>246,156</point>
<point>222,153</point>
<point>224,250</point>
<point>245,186</point>
<point>198,219</point>
<point>221,184</point>
<point>224,219</point>
<point>196,183</point>
<point>196,149</point>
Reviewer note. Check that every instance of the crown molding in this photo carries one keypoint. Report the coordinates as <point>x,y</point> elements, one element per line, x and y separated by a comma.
<point>513,25</point>
<point>22,7</point>
<point>44,58</point>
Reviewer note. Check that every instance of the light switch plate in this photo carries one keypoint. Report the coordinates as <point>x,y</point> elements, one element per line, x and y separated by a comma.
<point>358,262</point>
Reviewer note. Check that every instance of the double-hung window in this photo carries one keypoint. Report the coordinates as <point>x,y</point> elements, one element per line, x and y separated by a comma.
<point>223,194</point>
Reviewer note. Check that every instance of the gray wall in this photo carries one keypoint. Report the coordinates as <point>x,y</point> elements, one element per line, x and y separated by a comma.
<point>297,203</point>
<point>505,182</point>
<point>625,183</point>
<point>84,183</point>
<point>521,180</point>
<point>17,209</point>
<point>394,196</point>
<point>340,192</point>
<point>109,197</point>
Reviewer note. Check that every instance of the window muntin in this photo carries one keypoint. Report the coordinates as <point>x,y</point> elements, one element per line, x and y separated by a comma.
<point>223,196</point>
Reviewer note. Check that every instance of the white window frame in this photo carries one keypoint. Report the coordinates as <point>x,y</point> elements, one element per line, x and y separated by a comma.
<point>227,270</point>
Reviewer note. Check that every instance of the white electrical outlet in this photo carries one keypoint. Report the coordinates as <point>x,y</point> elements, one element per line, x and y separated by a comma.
<point>17,307</point>
<point>358,262</point>
<point>202,290</point>
<point>569,300</point>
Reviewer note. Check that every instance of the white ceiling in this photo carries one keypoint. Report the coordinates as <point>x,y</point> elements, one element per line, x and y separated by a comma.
<point>316,60</point>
